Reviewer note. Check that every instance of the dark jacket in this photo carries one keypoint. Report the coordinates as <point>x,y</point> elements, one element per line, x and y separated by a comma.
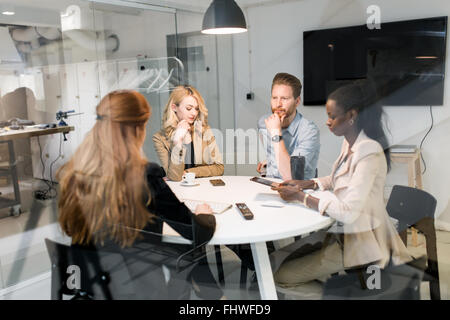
<point>136,272</point>
<point>166,206</point>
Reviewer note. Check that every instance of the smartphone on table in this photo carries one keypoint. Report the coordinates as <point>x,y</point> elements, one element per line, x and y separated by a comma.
<point>265,182</point>
<point>217,182</point>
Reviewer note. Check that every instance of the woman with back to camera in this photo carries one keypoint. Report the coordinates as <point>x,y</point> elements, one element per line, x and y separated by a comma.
<point>355,195</point>
<point>110,192</point>
<point>186,143</point>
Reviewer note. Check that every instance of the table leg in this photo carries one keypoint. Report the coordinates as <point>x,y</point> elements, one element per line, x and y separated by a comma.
<point>264,271</point>
<point>418,173</point>
<point>418,185</point>
<point>13,166</point>
<point>411,173</point>
<point>219,264</point>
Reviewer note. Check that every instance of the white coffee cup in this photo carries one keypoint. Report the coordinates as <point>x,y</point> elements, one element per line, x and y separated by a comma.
<point>189,178</point>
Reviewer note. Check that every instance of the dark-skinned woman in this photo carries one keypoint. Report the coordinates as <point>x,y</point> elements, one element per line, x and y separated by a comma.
<point>353,194</point>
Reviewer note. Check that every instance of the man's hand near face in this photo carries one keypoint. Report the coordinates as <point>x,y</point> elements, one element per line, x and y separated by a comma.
<point>273,124</point>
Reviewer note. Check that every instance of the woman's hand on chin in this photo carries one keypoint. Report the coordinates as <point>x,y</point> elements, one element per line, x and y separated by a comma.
<point>182,130</point>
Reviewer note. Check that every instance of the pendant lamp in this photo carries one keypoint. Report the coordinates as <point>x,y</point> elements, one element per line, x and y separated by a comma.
<point>223,17</point>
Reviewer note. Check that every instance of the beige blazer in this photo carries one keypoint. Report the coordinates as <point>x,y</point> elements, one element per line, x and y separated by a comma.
<point>208,159</point>
<point>357,200</point>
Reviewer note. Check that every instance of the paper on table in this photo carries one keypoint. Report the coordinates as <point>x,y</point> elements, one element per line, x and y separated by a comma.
<point>270,200</point>
<point>272,197</point>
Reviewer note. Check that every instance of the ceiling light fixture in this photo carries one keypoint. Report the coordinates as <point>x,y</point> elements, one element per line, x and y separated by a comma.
<point>7,10</point>
<point>223,17</point>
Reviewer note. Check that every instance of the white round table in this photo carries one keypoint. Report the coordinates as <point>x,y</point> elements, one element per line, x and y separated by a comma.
<point>268,224</point>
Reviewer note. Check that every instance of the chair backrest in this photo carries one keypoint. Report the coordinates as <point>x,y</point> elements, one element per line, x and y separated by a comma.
<point>410,205</point>
<point>112,272</point>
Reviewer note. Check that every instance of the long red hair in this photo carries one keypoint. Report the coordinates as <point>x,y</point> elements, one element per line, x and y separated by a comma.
<point>103,185</point>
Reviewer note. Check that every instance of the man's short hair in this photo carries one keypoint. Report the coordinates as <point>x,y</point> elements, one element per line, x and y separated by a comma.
<point>288,80</point>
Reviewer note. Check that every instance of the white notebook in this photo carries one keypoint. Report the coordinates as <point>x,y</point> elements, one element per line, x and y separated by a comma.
<point>217,207</point>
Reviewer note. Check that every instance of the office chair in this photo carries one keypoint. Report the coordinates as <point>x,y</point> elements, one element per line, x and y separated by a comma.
<point>401,282</point>
<point>415,208</point>
<point>221,276</point>
<point>110,272</point>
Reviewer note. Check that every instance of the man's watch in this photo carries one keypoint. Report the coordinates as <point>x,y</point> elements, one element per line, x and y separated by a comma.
<point>277,138</point>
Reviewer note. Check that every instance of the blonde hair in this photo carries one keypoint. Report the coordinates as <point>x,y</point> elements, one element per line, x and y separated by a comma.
<point>103,185</point>
<point>170,119</point>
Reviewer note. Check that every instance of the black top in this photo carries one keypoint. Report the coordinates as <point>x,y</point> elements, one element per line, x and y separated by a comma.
<point>167,208</point>
<point>136,272</point>
<point>189,161</point>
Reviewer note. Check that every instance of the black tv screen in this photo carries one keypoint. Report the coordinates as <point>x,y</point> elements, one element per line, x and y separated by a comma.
<point>405,60</point>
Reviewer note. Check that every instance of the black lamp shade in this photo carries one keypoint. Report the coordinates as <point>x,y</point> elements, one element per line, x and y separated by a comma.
<point>223,17</point>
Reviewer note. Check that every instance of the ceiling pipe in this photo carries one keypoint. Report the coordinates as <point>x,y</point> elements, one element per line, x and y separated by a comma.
<point>29,39</point>
<point>49,33</point>
<point>89,40</point>
<point>24,47</point>
<point>25,35</point>
<point>33,33</point>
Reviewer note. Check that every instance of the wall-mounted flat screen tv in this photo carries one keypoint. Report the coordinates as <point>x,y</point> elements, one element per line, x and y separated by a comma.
<point>404,59</point>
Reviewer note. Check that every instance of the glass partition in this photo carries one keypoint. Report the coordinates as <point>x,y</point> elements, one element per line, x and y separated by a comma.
<point>342,235</point>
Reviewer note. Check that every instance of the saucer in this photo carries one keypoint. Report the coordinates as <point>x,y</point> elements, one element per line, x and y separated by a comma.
<point>189,184</point>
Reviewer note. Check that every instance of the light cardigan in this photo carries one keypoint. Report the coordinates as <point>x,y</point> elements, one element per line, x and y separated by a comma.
<point>356,198</point>
<point>208,159</point>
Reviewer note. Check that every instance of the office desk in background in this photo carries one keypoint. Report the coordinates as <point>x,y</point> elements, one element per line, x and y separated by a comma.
<point>10,167</point>
<point>31,131</point>
<point>268,224</point>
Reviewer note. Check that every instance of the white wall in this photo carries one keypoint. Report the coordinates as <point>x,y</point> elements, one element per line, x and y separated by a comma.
<point>274,42</point>
<point>144,34</point>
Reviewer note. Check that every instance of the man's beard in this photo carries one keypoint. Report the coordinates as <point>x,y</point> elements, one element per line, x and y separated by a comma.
<point>281,112</point>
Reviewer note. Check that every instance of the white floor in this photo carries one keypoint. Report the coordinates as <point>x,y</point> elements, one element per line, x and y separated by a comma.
<point>36,288</point>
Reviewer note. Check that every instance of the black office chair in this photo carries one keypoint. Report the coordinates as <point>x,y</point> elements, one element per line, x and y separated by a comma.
<point>239,250</point>
<point>401,282</point>
<point>110,272</point>
<point>415,208</point>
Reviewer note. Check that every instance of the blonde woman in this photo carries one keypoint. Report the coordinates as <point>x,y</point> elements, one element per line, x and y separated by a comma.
<point>186,142</point>
<point>110,193</point>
